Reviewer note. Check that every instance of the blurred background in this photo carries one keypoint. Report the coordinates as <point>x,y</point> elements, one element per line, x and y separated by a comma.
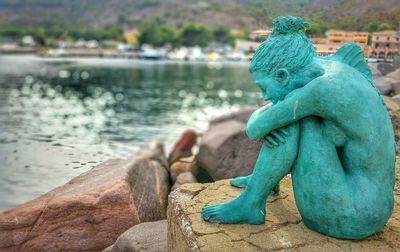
<point>82,81</point>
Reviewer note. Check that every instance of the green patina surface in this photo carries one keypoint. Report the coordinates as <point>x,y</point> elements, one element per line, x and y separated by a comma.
<point>328,127</point>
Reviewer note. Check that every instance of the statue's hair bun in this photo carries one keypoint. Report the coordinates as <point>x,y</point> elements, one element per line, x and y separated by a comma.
<point>288,24</point>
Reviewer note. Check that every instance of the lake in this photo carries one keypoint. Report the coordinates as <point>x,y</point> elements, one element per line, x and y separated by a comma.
<point>60,117</point>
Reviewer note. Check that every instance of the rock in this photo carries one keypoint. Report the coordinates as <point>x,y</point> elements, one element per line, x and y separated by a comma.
<point>183,148</point>
<point>386,68</point>
<point>384,87</point>
<point>396,99</point>
<point>225,150</point>
<point>390,103</point>
<point>148,236</point>
<point>179,167</point>
<point>374,69</point>
<point>184,178</point>
<point>242,115</point>
<point>284,229</point>
<point>93,209</point>
<point>393,79</point>
<point>395,117</point>
<point>397,181</point>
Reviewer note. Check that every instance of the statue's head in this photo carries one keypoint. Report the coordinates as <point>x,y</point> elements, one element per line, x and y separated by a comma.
<point>279,59</point>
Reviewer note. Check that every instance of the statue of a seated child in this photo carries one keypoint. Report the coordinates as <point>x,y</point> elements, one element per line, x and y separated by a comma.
<point>328,127</point>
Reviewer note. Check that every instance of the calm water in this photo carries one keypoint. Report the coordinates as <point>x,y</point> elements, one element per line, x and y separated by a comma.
<point>60,117</point>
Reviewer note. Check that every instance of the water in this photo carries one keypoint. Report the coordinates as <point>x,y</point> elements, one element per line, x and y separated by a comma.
<point>60,117</point>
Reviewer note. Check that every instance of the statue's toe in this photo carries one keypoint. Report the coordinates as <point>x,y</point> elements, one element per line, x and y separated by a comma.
<point>214,219</point>
<point>208,212</point>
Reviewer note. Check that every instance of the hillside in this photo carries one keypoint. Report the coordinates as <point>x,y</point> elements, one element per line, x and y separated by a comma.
<point>241,14</point>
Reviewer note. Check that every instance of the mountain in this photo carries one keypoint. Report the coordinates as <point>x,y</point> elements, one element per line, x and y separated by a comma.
<point>237,14</point>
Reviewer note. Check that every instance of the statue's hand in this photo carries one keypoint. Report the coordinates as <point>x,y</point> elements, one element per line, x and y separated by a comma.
<point>253,124</point>
<point>276,138</point>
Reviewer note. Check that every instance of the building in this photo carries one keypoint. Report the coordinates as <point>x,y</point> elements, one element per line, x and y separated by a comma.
<point>131,36</point>
<point>260,34</point>
<point>246,46</point>
<point>344,37</point>
<point>28,41</point>
<point>339,36</point>
<point>384,44</point>
<point>319,40</point>
<point>327,49</point>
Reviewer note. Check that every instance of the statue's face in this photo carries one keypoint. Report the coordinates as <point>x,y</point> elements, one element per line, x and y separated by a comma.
<point>273,86</point>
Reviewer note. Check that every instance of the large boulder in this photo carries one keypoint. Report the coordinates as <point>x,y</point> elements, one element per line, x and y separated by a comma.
<point>183,148</point>
<point>283,229</point>
<point>225,150</point>
<point>380,81</point>
<point>92,210</point>
<point>384,87</point>
<point>393,79</point>
<point>148,236</point>
<point>385,67</point>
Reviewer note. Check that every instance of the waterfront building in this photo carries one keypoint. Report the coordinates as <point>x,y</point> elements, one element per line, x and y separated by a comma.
<point>260,34</point>
<point>131,36</point>
<point>246,46</point>
<point>340,36</point>
<point>384,44</point>
<point>344,37</point>
<point>28,41</point>
<point>327,49</point>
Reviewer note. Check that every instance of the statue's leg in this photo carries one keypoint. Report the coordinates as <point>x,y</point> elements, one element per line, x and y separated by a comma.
<point>241,182</point>
<point>271,166</point>
<point>325,190</point>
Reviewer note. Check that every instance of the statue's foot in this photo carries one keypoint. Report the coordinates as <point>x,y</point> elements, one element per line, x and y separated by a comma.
<point>237,211</point>
<point>240,182</point>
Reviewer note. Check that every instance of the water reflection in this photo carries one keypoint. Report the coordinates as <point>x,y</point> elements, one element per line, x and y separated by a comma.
<point>60,117</point>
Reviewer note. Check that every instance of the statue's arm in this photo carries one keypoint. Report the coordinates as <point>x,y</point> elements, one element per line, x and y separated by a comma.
<point>297,105</point>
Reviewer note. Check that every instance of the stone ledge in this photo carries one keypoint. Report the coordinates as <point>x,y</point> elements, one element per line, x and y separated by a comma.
<point>283,229</point>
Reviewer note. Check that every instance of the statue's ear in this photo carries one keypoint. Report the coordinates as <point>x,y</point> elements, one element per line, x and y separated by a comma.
<point>282,76</point>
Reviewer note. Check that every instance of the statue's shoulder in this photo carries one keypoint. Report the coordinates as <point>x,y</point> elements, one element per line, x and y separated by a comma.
<point>352,55</point>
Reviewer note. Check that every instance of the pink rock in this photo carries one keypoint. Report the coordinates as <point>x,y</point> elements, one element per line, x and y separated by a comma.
<point>225,150</point>
<point>183,148</point>
<point>93,209</point>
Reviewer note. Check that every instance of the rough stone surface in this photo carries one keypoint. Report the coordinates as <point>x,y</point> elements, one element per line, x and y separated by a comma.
<point>92,210</point>
<point>395,117</point>
<point>225,150</point>
<point>283,229</point>
<point>148,236</point>
<point>391,104</point>
<point>184,178</point>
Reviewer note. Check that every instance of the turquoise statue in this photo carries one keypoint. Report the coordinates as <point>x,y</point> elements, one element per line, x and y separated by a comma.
<point>328,127</point>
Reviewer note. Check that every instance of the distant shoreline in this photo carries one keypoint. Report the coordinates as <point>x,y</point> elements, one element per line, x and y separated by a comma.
<point>215,63</point>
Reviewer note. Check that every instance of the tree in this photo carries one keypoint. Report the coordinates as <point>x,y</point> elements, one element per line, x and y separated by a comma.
<point>222,35</point>
<point>384,26</point>
<point>156,34</point>
<point>314,30</point>
<point>371,27</point>
<point>40,36</point>
<point>245,35</point>
<point>194,35</point>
